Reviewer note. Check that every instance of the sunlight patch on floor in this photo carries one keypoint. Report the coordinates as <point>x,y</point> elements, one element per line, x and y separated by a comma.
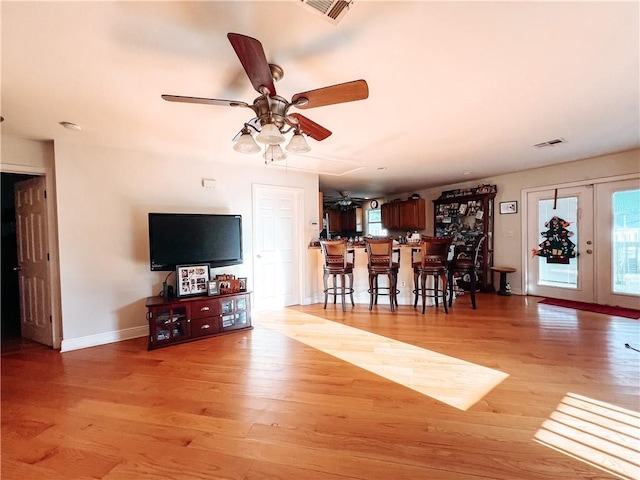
<point>450,380</point>
<point>597,433</point>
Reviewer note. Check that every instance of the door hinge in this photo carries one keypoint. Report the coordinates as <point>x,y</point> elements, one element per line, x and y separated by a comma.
<point>45,194</point>
<point>50,319</point>
<point>48,257</point>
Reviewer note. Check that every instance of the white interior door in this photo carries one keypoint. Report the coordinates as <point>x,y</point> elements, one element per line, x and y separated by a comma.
<point>277,246</point>
<point>33,264</point>
<point>618,241</point>
<point>552,276</point>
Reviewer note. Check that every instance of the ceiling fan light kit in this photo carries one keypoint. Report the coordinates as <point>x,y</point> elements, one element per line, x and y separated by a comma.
<point>270,134</point>
<point>272,111</point>
<point>274,153</point>
<point>246,143</point>
<point>298,144</point>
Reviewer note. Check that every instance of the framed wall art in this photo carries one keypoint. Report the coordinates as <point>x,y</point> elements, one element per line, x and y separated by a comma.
<point>192,280</point>
<point>509,207</point>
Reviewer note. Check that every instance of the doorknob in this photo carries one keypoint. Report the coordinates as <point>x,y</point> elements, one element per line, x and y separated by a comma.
<point>17,269</point>
<point>258,256</point>
<point>589,251</point>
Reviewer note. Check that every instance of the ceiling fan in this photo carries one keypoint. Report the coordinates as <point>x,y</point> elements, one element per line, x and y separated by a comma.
<point>346,200</point>
<point>272,118</point>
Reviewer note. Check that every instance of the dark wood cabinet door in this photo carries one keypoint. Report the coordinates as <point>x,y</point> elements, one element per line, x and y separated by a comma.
<point>412,214</point>
<point>390,215</point>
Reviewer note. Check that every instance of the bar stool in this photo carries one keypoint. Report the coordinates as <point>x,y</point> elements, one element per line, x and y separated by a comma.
<point>430,260</point>
<point>336,263</point>
<point>466,263</point>
<point>380,261</point>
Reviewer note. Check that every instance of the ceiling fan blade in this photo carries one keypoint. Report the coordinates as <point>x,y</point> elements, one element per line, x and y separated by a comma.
<point>206,101</point>
<point>344,92</point>
<point>311,128</point>
<point>254,61</point>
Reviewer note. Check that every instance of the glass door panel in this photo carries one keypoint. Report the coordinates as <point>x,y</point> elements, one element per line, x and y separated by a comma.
<point>557,222</point>
<point>558,274</point>
<point>171,324</point>
<point>626,242</point>
<point>618,241</point>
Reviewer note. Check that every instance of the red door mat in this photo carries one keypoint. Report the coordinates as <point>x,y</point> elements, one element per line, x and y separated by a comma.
<point>592,307</point>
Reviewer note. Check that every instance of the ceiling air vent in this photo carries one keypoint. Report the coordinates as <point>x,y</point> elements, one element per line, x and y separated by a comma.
<point>550,143</point>
<point>331,10</point>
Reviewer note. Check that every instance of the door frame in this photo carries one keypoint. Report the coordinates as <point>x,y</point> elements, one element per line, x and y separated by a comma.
<point>524,219</point>
<point>52,244</point>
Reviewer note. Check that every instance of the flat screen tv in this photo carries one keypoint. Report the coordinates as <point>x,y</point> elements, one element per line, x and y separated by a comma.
<point>192,238</point>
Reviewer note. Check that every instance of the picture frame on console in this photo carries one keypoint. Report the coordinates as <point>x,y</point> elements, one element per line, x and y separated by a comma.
<point>242,284</point>
<point>192,280</point>
<point>213,288</point>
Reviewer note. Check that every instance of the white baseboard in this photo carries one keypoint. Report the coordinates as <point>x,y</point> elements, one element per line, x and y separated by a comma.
<point>103,338</point>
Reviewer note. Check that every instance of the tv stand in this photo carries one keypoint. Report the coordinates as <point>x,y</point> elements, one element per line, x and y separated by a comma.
<point>177,320</point>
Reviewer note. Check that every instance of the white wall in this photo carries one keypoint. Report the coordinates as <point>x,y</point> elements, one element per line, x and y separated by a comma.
<point>103,198</point>
<point>508,249</point>
<point>20,155</point>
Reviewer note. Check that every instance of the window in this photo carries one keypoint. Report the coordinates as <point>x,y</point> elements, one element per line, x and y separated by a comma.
<point>374,223</point>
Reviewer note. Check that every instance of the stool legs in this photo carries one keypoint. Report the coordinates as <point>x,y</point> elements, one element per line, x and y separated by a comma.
<point>473,289</point>
<point>420,283</point>
<point>374,290</point>
<point>473,282</point>
<point>326,288</point>
<point>338,289</point>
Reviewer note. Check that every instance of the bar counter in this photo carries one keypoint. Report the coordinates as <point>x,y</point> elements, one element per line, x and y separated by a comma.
<point>361,276</point>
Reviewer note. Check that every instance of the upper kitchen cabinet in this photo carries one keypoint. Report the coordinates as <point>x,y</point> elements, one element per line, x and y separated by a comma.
<point>345,222</point>
<point>404,215</point>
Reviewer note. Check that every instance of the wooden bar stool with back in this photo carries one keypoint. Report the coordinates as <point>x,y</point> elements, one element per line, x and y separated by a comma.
<point>431,260</point>
<point>381,261</point>
<point>338,262</point>
<point>465,266</point>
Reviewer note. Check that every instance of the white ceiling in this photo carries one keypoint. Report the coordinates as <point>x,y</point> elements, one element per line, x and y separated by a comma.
<point>458,90</point>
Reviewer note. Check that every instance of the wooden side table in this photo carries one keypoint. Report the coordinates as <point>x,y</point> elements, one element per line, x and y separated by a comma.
<point>503,279</point>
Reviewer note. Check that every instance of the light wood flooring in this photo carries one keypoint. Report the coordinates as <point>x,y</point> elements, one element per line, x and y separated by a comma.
<point>279,402</point>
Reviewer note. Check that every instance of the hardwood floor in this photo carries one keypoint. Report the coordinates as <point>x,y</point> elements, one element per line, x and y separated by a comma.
<point>263,404</point>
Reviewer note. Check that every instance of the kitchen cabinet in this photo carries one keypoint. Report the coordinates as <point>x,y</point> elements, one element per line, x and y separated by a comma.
<point>335,221</point>
<point>412,214</point>
<point>345,222</point>
<point>404,215</point>
<point>390,213</point>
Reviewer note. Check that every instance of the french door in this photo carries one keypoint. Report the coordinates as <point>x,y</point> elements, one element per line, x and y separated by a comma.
<point>562,275</point>
<point>277,246</point>
<point>600,223</point>
<point>618,239</point>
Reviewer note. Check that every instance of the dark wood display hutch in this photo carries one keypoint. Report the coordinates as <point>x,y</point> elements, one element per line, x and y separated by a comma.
<point>175,320</point>
<point>464,214</point>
